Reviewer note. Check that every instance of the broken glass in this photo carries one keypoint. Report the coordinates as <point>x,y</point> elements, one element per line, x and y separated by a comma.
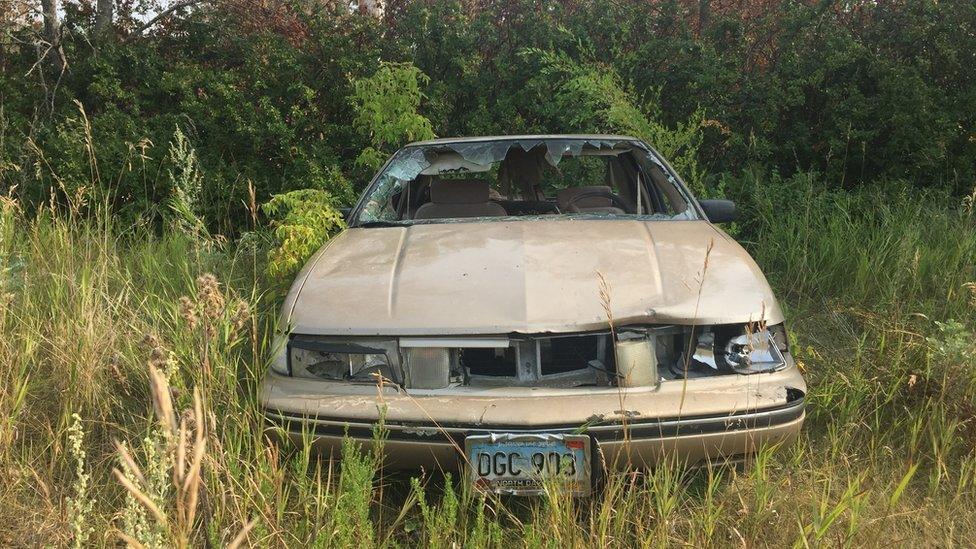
<point>515,165</point>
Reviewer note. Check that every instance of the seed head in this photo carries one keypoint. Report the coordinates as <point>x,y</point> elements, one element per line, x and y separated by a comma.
<point>209,296</point>
<point>159,357</point>
<point>188,312</point>
<point>242,313</point>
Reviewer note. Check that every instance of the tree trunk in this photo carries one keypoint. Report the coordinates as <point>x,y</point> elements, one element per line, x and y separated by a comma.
<point>103,16</point>
<point>52,32</point>
<point>704,9</point>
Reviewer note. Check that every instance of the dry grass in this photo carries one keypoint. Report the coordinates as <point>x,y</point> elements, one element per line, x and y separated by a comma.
<point>160,361</point>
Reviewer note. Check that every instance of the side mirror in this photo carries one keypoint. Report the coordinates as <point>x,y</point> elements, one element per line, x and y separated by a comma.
<point>719,211</point>
<point>345,213</point>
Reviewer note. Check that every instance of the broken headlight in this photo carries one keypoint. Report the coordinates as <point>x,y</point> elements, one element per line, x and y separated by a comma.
<point>744,351</point>
<point>753,353</point>
<point>339,361</point>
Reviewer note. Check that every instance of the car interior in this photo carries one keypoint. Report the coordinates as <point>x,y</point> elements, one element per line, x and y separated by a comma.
<point>600,181</point>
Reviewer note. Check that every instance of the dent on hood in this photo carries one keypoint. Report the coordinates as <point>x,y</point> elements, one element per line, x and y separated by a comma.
<point>527,277</point>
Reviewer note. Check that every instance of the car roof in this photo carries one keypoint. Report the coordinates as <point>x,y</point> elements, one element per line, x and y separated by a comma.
<point>476,139</point>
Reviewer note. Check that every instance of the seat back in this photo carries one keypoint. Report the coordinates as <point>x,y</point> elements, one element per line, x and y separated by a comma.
<point>459,198</point>
<point>589,204</point>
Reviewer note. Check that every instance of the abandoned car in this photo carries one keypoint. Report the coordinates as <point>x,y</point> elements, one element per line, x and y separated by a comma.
<point>532,308</point>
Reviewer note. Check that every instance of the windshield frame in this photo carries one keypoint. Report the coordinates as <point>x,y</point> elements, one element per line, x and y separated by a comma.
<point>694,207</point>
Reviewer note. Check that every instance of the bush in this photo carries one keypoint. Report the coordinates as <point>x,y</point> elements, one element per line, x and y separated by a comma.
<point>876,91</point>
<point>301,222</point>
<point>590,97</point>
<point>386,105</point>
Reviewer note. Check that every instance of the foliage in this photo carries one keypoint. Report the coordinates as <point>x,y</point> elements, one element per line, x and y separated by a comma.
<point>440,522</point>
<point>186,181</point>
<point>80,504</point>
<point>954,342</point>
<point>386,105</point>
<point>301,221</point>
<point>877,247</point>
<point>137,523</point>
<point>595,99</point>
<point>844,133</point>
<point>868,92</point>
<point>355,528</point>
<point>105,306</point>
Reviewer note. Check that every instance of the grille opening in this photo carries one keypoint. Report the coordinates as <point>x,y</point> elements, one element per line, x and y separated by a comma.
<point>489,362</point>
<point>566,354</point>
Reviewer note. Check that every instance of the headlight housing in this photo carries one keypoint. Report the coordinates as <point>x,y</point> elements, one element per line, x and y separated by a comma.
<point>753,352</point>
<point>747,349</point>
<point>327,359</point>
<point>428,367</point>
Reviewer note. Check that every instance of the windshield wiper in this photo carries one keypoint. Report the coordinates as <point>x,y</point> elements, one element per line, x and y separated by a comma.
<point>378,223</point>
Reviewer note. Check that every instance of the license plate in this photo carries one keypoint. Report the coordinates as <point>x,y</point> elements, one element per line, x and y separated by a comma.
<point>517,463</point>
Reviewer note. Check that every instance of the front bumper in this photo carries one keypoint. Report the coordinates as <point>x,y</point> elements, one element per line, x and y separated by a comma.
<point>623,444</point>
<point>724,417</point>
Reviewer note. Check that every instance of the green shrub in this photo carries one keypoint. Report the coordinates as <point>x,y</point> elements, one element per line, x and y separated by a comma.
<point>386,106</point>
<point>593,98</point>
<point>301,222</point>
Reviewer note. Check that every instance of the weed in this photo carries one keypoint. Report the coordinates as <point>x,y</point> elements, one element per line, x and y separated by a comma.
<point>80,503</point>
<point>186,183</point>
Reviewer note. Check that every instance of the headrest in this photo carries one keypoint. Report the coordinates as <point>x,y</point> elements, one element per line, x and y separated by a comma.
<point>459,191</point>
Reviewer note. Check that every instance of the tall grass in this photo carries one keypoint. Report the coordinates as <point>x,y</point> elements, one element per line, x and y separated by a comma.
<point>890,248</point>
<point>129,361</point>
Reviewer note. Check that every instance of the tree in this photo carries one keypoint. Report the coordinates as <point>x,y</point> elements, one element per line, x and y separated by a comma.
<point>103,16</point>
<point>52,33</point>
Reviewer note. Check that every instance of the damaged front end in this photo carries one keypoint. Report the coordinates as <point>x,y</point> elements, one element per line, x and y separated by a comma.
<point>636,393</point>
<point>631,357</point>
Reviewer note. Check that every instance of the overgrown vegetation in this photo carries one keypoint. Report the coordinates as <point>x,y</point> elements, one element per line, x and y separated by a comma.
<point>158,192</point>
<point>100,323</point>
<point>282,96</point>
<point>302,221</point>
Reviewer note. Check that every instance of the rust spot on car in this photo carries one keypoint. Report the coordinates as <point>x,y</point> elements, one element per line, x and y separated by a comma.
<point>627,413</point>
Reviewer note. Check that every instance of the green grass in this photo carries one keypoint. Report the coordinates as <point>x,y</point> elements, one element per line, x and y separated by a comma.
<point>87,309</point>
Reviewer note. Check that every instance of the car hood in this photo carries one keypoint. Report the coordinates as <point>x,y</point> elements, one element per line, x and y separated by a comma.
<point>528,277</point>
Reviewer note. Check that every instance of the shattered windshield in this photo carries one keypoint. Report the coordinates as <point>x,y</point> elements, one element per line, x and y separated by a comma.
<point>523,178</point>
